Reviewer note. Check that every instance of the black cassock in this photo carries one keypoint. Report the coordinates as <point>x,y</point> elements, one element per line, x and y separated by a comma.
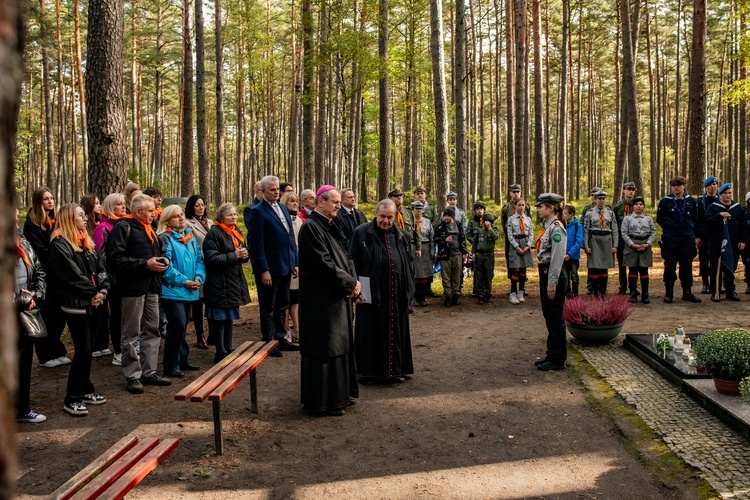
<point>326,280</point>
<point>382,338</point>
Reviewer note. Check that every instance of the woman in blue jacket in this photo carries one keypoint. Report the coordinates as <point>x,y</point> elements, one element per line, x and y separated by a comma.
<point>573,250</point>
<point>181,283</point>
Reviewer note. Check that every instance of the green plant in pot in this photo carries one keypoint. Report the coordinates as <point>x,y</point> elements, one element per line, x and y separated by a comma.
<point>725,355</point>
<point>594,319</point>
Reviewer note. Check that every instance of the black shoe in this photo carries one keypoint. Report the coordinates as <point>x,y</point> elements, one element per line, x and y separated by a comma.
<point>447,302</point>
<point>411,310</point>
<point>480,301</point>
<point>540,361</point>
<point>733,296</point>
<point>689,297</point>
<point>367,381</point>
<point>276,353</point>
<point>622,291</point>
<point>155,379</point>
<point>715,299</point>
<point>548,366</point>
<point>525,293</point>
<point>455,301</point>
<point>135,386</point>
<point>285,345</point>
<point>645,299</point>
<point>337,412</point>
<point>190,367</point>
<point>633,297</point>
<point>176,373</point>
<point>705,290</point>
<point>668,299</point>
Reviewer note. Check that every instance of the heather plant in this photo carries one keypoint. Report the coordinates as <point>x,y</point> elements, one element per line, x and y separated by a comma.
<point>725,353</point>
<point>596,310</point>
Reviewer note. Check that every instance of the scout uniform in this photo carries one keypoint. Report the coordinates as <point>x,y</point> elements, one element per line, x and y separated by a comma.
<point>550,246</point>
<point>405,220</point>
<point>622,209</point>
<point>423,268</point>
<point>638,230</point>
<point>592,196</point>
<point>472,228</point>
<point>460,214</point>
<point>520,234</point>
<point>429,210</point>
<point>600,236</point>
<point>507,211</point>
<point>484,258</point>
<point>704,202</point>
<point>450,254</point>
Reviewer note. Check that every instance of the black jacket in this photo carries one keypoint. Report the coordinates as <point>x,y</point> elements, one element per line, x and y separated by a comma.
<point>36,280</point>
<point>76,276</point>
<point>128,250</point>
<point>347,222</point>
<point>441,233</point>
<point>39,238</point>
<point>225,285</point>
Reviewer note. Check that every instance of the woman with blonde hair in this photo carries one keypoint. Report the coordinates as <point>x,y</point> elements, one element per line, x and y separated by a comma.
<point>40,222</point>
<point>78,277</point>
<point>291,200</point>
<point>181,282</point>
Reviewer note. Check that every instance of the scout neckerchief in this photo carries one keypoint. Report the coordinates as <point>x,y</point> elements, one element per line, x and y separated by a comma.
<point>231,231</point>
<point>627,209</point>
<point>146,226</point>
<point>49,223</point>
<point>419,224</point>
<point>157,213</point>
<point>680,211</point>
<point>400,220</point>
<point>187,237</point>
<point>22,252</point>
<point>601,219</point>
<point>539,239</point>
<point>523,226</point>
<point>83,241</point>
<point>113,218</point>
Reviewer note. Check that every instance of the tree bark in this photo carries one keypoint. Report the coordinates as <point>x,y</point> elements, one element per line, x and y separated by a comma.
<point>697,100</point>
<point>218,191</point>
<point>186,139</point>
<point>438,91</point>
<point>459,86</point>
<point>521,89</point>
<point>562,112</point>
<point>81,93</point>
<point>384,153</point>
<point>200,99</point>
<point>540,162</point>
<point>323,73</point>
<point>308,91</point>
<point>48,131</point>
<point>62,119</point>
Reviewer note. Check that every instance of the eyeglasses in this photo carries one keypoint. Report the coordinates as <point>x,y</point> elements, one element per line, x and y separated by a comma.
<point>82,216</point>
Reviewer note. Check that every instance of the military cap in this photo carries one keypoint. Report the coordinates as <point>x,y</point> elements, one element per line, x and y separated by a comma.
<point>594,190</point>
<point>451,194</point>
<point>479,204</point>
<point>450,211</point>
<point>488,216</point>
<point>395,192</point>
<point>601,194</point>
<point>724,187</point>
<point>551,198</point>
<point>514,187</point>
<point>417,204</point>
<point>419,189</point>
<point>709,180</point>
<point>629,185</point>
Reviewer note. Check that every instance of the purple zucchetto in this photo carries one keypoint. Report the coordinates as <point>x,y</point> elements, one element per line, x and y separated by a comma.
<point>322,189</point>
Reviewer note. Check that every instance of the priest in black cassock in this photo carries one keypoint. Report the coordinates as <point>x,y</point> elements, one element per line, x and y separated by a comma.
<point>383,254</point>
<point>326,288</point>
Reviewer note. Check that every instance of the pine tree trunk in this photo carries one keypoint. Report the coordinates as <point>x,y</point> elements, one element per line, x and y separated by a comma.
<point>510,89</point>
<point>439,96</point>
<point>384,90</point>
<point>81,93</point>
<point>218,191</point>
<point>540,161</point>
<point>62,119</point>
<point>561,160</point>
<point>521,90</point>
<point>323,71</point>
<point>459,92</point>
<point>48,130</point>
<point>200,99</point>
<point>186,140</point>
<point>697,100</point>
<point>308,92</point>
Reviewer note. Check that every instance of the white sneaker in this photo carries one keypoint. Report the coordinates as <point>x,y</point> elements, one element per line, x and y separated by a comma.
<point>520,297</point>
<point>32,418</point>
<point>106,352</point>
<point>76,409</point>
<point>96,354</point>
<point>52,363</point>
<point>94,399</point>
<point>117,359</point>
<point>514,299</point>
<point>64,360</point>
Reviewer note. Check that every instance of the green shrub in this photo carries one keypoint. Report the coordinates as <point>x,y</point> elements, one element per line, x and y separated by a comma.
<point>725,353</point>
<point>745,389</point>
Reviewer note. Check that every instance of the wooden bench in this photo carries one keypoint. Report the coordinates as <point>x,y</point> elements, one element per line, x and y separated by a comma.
<point>118,470</point>
<point>220,379</point>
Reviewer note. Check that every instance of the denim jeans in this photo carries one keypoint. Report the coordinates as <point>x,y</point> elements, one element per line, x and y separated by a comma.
<point>176,349</point>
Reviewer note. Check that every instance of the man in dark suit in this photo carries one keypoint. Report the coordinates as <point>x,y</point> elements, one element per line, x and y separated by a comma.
<point>257,199</point>
<point>349,217</point>
<point>274,259</point>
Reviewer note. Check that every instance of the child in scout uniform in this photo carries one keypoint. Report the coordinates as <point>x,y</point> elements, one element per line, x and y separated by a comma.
<point>424,255</point>
<point>623,208</point>
<point>484,257</point>
<point>451,247</point>
<point>520,232</point>
<point>638,232</point>
<point>472,229</point>
<point>550,247</point>
<point>600,238</point>
<point>573,248</point>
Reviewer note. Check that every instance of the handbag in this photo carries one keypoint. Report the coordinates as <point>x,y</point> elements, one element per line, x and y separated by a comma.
<point>32,323</point>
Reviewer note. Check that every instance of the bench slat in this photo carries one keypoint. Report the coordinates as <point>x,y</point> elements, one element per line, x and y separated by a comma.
<point>196,384</point>
<point>227,372</point>
<point>140,470</point>
<point>230,383</point>
<point>112,473</point>
<point>102,462</point>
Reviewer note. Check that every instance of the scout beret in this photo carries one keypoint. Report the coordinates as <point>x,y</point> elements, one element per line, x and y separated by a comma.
<point>449,211</point>
<point>724,187</point>
<point>488,216</point>
<point>638,199</point>
<point>514,187</point>
<point>479,204</point>
<point>629,185</point>
<point>594,190</point>
<point>419,189</point>
<point>417,204</point>
<point>395,192</point>
<point>709,180</point>
<point>451,194</point>
<point>551,198</point>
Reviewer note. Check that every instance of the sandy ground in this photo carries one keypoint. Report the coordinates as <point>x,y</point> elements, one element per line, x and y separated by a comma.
<point>477,420</point>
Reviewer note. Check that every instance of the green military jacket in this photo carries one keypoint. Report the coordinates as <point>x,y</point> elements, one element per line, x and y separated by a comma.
<point>484,240</point>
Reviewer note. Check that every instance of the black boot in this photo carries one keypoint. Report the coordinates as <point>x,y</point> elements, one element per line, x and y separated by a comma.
<point>633,285</point>
<point>603,285</point>
<point>668,292</point>
<point>688,296</point>
<point>644,291</point>
<point>447,302</point>
<point>454,300</point>
<point>574,285</point>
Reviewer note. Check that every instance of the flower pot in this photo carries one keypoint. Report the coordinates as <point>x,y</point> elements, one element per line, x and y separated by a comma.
<point>729,387</point>
<point>594,334</point>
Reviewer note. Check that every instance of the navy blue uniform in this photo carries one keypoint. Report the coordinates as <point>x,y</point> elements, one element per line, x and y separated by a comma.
<point>678,218</point>
<point>712,233</point>
<point>704,202</point>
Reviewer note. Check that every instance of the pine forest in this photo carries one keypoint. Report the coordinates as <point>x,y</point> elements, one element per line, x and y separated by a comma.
<point>208,96</point>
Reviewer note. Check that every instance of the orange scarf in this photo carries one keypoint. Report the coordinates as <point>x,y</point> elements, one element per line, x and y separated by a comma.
<point>22,252</point>
<point>523,226</point>
<point>419,224</point>
<point>84,242</point>
<point>601,220</point>
<point>400,220</point>
<point>184,239</point>
<point>113,218</point>
<point>146,226</point>
<point>157,213</point>
<point>231,231</point>
<point>539,239</point>
<point>49,223</point>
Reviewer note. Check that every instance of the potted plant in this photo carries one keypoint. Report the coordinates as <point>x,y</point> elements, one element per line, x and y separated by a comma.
<point>596,319</point>
<point>725,355</point>
<point>745,389</point>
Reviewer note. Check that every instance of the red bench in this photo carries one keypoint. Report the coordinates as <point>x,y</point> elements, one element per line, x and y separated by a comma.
<point>220,379</point>
<point>118,470</point>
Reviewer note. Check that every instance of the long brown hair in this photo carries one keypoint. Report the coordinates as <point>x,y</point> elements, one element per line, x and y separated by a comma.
<point>88,203</point>
<point>67,230</point>
<point>38,215</point>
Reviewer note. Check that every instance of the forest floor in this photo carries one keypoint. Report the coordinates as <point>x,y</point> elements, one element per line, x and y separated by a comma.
<point>477,420</point>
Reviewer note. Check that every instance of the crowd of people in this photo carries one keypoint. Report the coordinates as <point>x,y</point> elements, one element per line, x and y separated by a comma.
<point>125,273</point>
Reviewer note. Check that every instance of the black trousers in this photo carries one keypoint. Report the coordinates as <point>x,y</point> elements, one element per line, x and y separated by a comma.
<point>681,253</point>
<point>703,262</point>
<point>197,315</point>
<point>176,349</point>
<point>726,277</point>
<point>51,347</point>
<point>79,378</point>
<point>552,309</point>
<point>25,355</point>
<point>273,302</point>
<point>621,269</point>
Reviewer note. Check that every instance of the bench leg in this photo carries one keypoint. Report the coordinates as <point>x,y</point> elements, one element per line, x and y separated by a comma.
<point>253,393</point>
<point>219,441</point>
